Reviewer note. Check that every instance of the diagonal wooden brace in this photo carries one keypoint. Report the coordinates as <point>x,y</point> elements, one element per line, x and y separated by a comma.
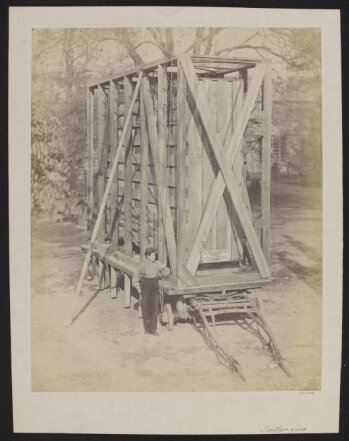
<point>106,193</point>
<point>160,181</point>
<point>232,147</point>
<point>225,172</point>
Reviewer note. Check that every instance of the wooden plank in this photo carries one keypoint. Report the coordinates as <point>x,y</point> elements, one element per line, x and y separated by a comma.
<point>238,166</point>
<point>181,168</point>
<point>222,122</point>
<point>162,148</point>
<point>102,152</point>
<point>227,130</point>
<point>136,70</point>
<point>219,59</point>
<point>195,178</point>
<point>144,180</point>
<point>113,127</point>
<point>162,200</point>
<point>104,200</point>
<point>90,162</point>
<point>231,146</point>
<point>128,173</point>
<point>225,169</point>
<point>207,172</point>
<point>266,160</point>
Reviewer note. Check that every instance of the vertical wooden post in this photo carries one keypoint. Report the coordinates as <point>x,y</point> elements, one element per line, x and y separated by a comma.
<point>128,172</point>
<point>101,154</point>
<point>240,168</point>
<point>144,180</point>
<point>266,160</point>
<point>181,164</point>
<point>207,175</point>
<point>195,177</point>
<point>162,151</point>
<point>90,147</point>
<point>127,290</point>
<point>113,127</point>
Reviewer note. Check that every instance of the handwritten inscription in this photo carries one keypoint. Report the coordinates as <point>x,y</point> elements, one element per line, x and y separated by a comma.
<point>281,429</point>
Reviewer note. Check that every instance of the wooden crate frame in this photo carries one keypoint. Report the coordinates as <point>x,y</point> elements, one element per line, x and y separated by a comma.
<point>107,126</point>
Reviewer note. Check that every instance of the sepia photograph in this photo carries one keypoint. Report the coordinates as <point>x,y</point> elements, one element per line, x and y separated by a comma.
<point>176,209</point>
<point>175,220</point>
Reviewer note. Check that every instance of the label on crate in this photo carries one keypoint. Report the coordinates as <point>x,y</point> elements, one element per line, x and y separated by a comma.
<point>209,256</point>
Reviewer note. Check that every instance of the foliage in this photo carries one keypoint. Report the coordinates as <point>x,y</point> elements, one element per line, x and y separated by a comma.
<point>65,60</point>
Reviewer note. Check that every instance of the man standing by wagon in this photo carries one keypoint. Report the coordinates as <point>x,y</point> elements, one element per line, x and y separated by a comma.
<point>146,281</point>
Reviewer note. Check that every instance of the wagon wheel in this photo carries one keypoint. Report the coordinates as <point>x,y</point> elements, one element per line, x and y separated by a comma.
<point>169,316</point>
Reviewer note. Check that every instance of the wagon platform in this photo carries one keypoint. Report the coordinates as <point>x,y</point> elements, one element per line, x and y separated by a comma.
<point>229,278</point>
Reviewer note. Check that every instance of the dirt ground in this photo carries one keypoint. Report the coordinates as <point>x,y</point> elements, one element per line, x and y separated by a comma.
<point>106,349</point>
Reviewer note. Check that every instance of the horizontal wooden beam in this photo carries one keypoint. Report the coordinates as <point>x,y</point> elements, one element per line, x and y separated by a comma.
<point>134,71</point>
<point>218,59</point>
<point>224,168</point>
<point>153,66</point>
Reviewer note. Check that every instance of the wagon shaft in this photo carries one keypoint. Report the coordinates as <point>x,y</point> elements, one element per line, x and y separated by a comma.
<point>242,309</point>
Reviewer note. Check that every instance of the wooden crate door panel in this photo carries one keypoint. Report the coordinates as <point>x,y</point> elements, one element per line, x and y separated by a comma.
<point>195,175</point>
<point>207,173</point>
<point>219,101</point>
<point>238,97</point>
<point>224,122</point>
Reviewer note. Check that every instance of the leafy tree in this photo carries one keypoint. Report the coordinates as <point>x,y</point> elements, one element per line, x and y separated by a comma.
<point>65,60</point>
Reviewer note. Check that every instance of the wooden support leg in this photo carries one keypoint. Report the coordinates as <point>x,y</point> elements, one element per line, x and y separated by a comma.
<point>108,276</point>
<point>140,315</point>
<point>127,290</point>
<point>113,281</point>
<point>101,274</point>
